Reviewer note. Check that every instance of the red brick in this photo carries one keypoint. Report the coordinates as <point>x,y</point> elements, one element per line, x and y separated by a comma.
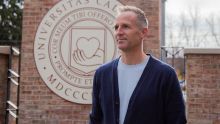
<point>203,90</point>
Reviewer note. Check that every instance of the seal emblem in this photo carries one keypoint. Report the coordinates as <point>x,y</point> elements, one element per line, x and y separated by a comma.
<point>73,39</point>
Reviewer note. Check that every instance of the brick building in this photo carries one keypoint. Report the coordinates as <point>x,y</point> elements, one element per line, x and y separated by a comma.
<point>38,103</point>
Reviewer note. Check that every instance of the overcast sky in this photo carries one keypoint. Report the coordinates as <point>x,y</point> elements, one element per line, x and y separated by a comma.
<point>205,10</point>
<point>204,6</point>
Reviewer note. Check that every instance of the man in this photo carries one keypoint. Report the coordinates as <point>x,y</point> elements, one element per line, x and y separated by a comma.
<point>135,88</point>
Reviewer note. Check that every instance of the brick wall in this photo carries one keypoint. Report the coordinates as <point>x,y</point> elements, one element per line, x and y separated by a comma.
<point>4,61</point>
<point>3,81</point>
<point>38,104</point>
<point>203,86</point>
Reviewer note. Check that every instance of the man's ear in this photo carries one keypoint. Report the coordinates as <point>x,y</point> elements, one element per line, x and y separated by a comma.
<point>145,32</point>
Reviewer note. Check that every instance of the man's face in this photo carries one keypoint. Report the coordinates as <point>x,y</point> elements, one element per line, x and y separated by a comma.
<point>127,32</point>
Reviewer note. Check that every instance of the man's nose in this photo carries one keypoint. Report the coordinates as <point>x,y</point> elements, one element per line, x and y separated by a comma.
<point>119,31</point>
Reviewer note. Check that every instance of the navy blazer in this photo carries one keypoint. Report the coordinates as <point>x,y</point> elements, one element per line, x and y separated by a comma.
<point>157,98</point>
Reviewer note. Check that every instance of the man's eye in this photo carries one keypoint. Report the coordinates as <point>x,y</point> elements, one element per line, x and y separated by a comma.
<point>116,27</point>
<point>125,26</point>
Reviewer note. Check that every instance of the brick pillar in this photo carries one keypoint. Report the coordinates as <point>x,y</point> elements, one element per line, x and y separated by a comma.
<point>203,86</point>
<point>4,61</point>
<point>38,104</point>
<point>3,82</point>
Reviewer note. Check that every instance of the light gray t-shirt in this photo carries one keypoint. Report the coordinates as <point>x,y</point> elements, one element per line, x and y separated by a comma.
<point>128,77</point>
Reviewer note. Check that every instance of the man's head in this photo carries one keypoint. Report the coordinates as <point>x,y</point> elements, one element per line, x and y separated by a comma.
<point>130,28</point>
<point>141,17</point>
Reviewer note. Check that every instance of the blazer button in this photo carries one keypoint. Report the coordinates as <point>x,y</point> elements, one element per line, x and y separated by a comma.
<point>116,102</point>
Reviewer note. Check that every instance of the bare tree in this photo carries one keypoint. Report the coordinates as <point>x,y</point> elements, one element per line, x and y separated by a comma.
<point>170,31</point>
<point>192,30</point>
<point>184,29</point>
<point>214,29</point>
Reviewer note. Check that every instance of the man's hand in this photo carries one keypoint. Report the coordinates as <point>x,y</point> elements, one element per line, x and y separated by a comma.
<point>81,59</point>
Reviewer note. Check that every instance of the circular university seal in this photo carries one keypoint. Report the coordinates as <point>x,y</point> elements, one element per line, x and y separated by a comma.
<point>72,40</point>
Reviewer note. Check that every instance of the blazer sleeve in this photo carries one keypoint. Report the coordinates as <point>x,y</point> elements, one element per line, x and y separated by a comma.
<point>96,113</point>
<point>174,103</point>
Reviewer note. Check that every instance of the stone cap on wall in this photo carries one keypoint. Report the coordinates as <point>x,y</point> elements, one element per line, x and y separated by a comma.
<point>7,50</point>
<point>4,49</point>
<point>201,51</point>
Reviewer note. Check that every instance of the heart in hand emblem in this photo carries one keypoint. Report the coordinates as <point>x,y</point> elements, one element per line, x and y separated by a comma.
<point>88,45</point>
